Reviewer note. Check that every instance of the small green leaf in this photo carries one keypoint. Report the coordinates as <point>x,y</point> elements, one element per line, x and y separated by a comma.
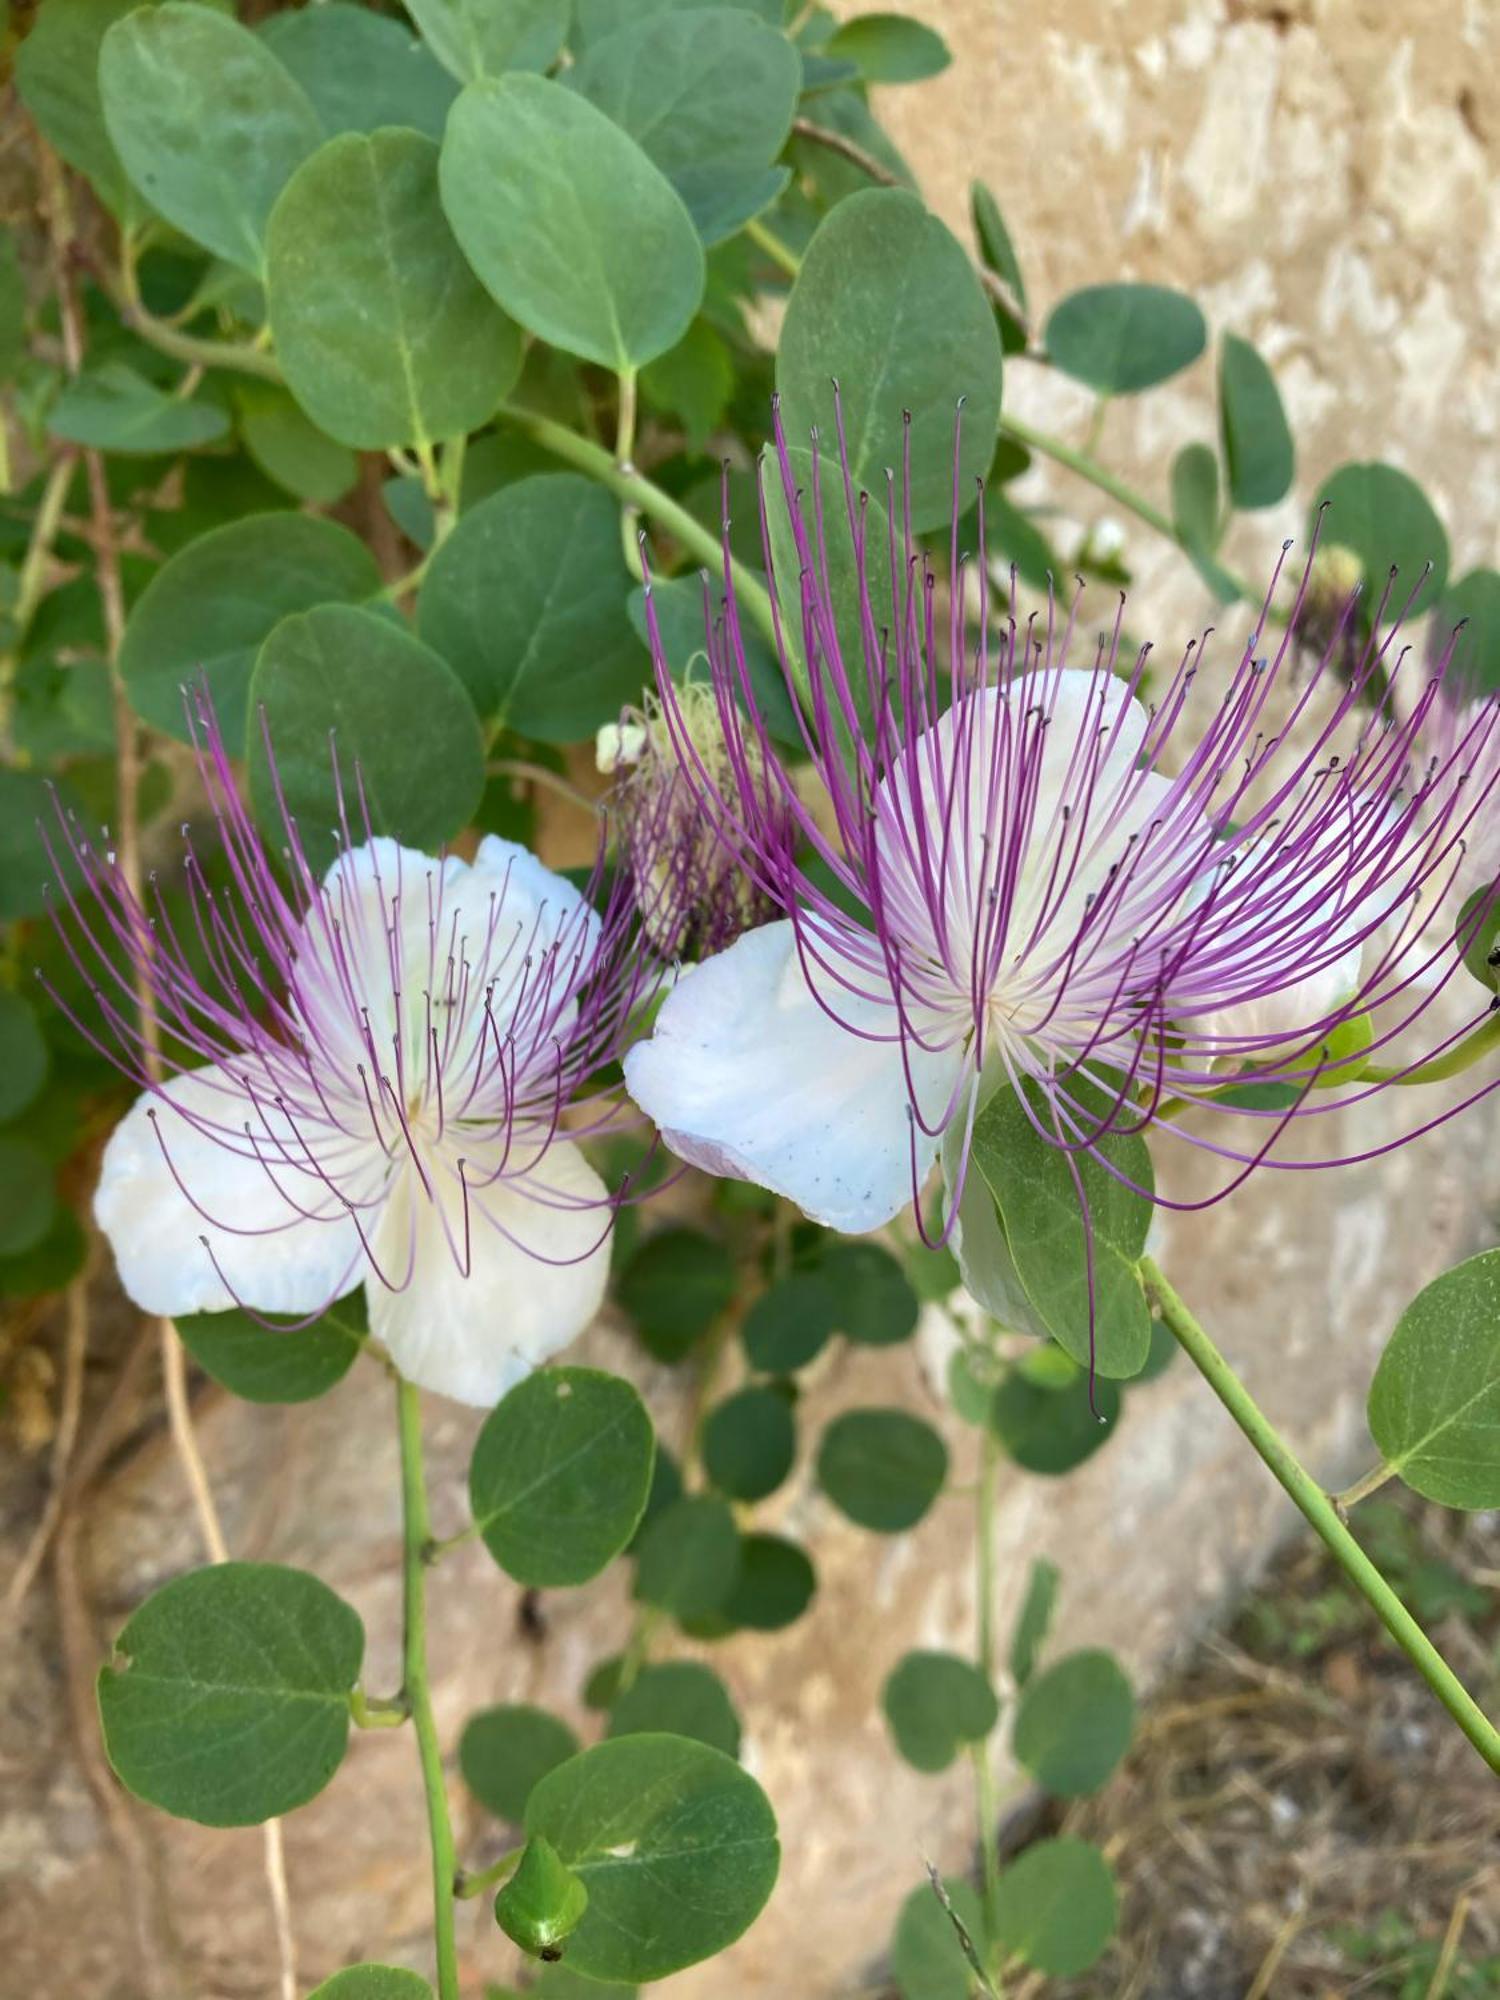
<point>790,1323</point>
<point>114,409</point>
<point>266,1365</point>
<point>361,70</point>
<point>26,1195</point>
<point>1033,1620</point>
<point>927,1956</point>
<point>504,1752</point>
<point>675,1844</point>
<point>936,1704</point>
<point>1121,339</point>
<point>774,1587</point>
<point>385,335</point>
<point>54,1260</point>
<point>1258,448</point>
<point>209,125</point>
<point>226,1700</point>
<point>889,48</point>
<point>887,304</point>
<point>1048,1427</point>
<point>998,253</point>
<point>543,1902</point>
<point>1196,516</point>
<point>1387,520</point>
<point>23,1055</point>
<point>526,602</point>
<point>882,1468</point>
<point>683,1698</point>
<point>1057,1906</point>
<point>286,445</point>
<point>560,1475</point>
<point>373,1982</point>
<point>479,38</point>
<point>1434,1406</point>
<point>568,224</point>
<point>57,75</point>
<point>749,1442</point>
<point>674,1287</point>
<point>1475,599</point>
<point>341,690</point>
<point>689,1558</point>
<point>876,1305</point>
<point>1074,1723</point>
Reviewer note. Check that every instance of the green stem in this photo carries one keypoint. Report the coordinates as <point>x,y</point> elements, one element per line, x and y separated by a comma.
<point>370,1712</point>
<point>630,486</point>
<point>770,245</point>
<point>1452,1063</point>
<point>417,1692</point>
<point>1372,1482</point>
<point>986,1803</point>
<point>1324,1518</point>
<point>469,1886</point>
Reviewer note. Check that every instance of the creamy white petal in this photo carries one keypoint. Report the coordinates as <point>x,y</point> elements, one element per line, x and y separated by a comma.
<point>539,1263</point>
<point>180,1167</point>
<point>747,1075</point>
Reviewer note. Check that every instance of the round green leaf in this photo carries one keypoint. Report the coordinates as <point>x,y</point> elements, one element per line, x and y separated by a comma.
<point>265,1365</point>
<point>1434,1406</point>
<point>23,1055</point>
<point>927,1958</point>
<point>1057,1907</point>
<point>26,1195</point>
<point>568,224</point>
<point>882,1468</point>
<point>373,1982</point>
<point>57,75</point>
<point>206,613</point>
<point>790,1323</point>
<point>749,1442</point>
<point>1124,338</point>
<point>675,1844</point>
<point>543,1901</point>
<point>1388,521</point>
<point>887,304</point>
<point>774,1586</point>
<point>560,1475</point>
<point>688,1560</point>
<point>337,683</point>
<point>674,1288</point>
<point>361,70</point>
<point>505,1752</point>
<point>682,1698</point>
<point>708,95</point>
<point>1074,1724</point>
<point>479,38</point>
<point>1258,449</point>
<point>208,124</point>
<point>526,601</point>
<point>54,1260</point>
<point>876,1304</point>
<point>889,48</point>
<point>1048,1427</point>
<point>226,1699</point>
<point>936,1703</point>
<point>286,445</point>
<point>1475,599</point>
<point>114,409</point>
<point>384,334</point>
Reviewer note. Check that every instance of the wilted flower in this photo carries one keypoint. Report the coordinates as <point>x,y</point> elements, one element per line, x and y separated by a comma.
<point>368,1082</point>
<point>1026,872</point>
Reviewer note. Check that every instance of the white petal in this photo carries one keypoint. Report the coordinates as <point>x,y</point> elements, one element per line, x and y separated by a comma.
<point>747,1075</point>
<point>247,1197</point>
<point>537,1275</point>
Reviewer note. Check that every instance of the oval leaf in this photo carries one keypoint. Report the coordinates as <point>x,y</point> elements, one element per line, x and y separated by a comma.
<point>505,1752</point>
<point>114,409</point>
<point>1434,1407</point>
<point>927,1954</point>
<point>27,1200</point>
<point>479,38</point>
<point>882,1468</point>
<point>790,1323</point>
<point>889,48</point>
<point>689,1557</point>
<point>1057,1906</point>
<point>1475,599</point>
<point>1049,1427</point>
<point>683,1698</point>
<point>674,1287</point>
<point>1121,339</point>
<point>23,1055</point>
<point>1074,1723</point>
<point>265,1365</point>
<point>1387,520</point>
<point>361,70</point>
<point>1258,449</point>
<point>749,1442</point>
<point>876,1305</point>
<point>57,75</point>
<point>373,1982</point>
<point>774,1587</point>
<point>936,1704</point>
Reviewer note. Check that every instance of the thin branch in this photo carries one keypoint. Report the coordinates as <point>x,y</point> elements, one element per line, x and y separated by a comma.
<point>848,149</point>
<point>75,1348</point>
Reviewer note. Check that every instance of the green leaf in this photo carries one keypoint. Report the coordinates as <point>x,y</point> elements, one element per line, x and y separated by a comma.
<point>888,304</point>
<point>505,1752</point>
<point>1475,599</point>
<point>361,70</point>
<point>526,601</point>
<point>936,1704</point>
<point>1258,448</point>
<point>1434,1406</point>
<point>341,683</point>
<point>683,1698</point>
<point>774,1586</point>
<point>689,1558</point>
<point>1121,339</point>
<point>674,1287</point>
<point>208,124</point>
<point>749,1442</point>
<point>1049,1427</point>
<point>882,1468</point>
<point>54,1260</point>
<point>927,1958</point>
<point>708,95</point>
<point>593,18</point>
<point>889,48</point>
<point>266,1365</point>
<point>543,1902</point>
<point>1033,1620</point>
<point>288,446</point>
<point>790,1323</point>
<point>1074,1724</point>
<point>372,1982</point>
<point>1196,517</point>
<point>385,336</point>
<point>207,612</point>
<point>1056,1906</point>
<point>480,38</point>
<point>23,1055</point>
<point>12,308</point>
<point>998,252</point>
<point>226,1700</point>
<point>675,1844</point>
<point>57,75</point>
<point>876,1306</point>
<point>1033,1187</point>
<point>1388,522</point>
<point>568,224</point>
<point>114,409</point>
<point>560,1475</point>
<point>693,382</point>
<point>28,878</point>
<point>26,1195</point>
<point>681,626</point>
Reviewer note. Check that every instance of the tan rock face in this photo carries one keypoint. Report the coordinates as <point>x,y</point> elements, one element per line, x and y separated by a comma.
<point>1322,177</point>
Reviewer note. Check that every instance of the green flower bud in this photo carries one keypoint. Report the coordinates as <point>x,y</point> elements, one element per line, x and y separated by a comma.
<point>543,1902</point>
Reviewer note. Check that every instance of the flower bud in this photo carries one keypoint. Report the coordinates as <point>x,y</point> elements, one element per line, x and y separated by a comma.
<point>543,1902</point>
